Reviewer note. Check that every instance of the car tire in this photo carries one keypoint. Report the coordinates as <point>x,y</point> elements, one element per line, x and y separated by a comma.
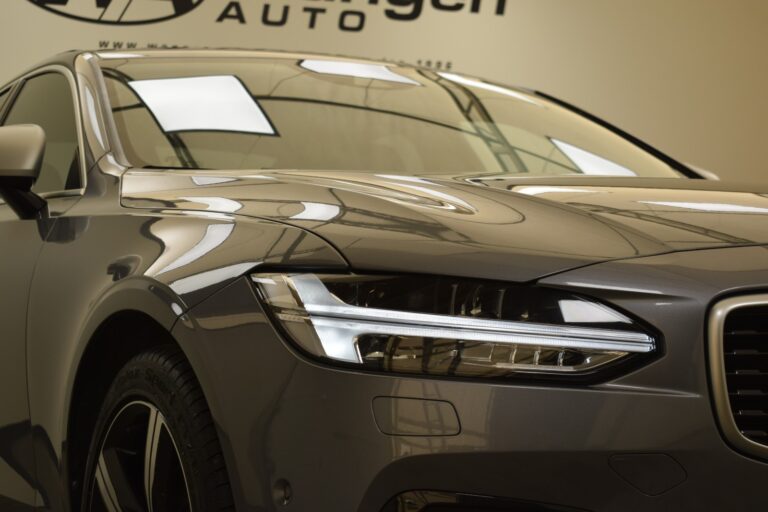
<point>155,440</point>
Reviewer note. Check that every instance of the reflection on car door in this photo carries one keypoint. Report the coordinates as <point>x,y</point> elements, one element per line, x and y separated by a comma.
<point>46,100</point>
<point>20,245</point>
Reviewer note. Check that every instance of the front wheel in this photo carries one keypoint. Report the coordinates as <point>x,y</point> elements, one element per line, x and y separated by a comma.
<point>156,447</point>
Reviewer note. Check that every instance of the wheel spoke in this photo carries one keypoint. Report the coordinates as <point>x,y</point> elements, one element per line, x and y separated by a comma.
<point>114,484</point>
<point>154,429</point>
<point>139,467</point>
<point>106,487</point>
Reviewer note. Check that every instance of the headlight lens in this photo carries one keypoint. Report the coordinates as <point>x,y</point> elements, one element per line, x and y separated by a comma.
<point>448,326</point>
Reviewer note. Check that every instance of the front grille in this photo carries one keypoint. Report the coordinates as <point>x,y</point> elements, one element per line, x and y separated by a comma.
<point>745,357</point>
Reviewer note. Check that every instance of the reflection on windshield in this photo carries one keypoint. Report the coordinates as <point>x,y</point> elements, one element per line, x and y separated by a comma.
<point>203,103</point>
<point>471,82</point>
<point>357,70</point>
<point>590,163</point>
<point>325,114</point>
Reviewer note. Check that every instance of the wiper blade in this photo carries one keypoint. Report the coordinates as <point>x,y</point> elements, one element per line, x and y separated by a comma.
<point>173,168</point>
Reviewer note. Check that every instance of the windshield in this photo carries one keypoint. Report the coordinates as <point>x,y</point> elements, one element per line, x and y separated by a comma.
<point>321,114</point>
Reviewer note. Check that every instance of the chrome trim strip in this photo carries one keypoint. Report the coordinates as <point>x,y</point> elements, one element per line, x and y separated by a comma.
<point>94,126</point>
<point>716,325</point>
<point>513,335</point>
<point>88,66</point>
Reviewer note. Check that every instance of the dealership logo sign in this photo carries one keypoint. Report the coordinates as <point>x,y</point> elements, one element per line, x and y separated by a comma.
<point>352,15</point>
<point>119,12</point>
<point>348,16</point>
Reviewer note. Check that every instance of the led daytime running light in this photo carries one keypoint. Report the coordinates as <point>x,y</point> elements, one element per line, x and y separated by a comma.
<point>339,325</point>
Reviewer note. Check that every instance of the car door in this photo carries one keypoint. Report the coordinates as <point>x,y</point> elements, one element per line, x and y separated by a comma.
<point>45,99</point>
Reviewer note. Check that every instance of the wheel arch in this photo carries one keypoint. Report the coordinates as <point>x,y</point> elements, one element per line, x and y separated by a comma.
<point>138,315</point>
<point>80,322</point>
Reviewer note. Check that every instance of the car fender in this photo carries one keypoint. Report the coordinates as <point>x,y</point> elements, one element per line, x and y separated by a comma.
<point>156,264</point>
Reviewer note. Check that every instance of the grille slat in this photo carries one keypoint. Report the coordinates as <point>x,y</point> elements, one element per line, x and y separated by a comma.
<point>756,435</point>
<point>745,354</point>
<point>748,393</point>
<point>736,352</point>
<point>747,403</point>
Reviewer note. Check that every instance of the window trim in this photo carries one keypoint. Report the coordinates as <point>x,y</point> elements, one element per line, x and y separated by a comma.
<point>11,89</point>
<point>3,92</point>
<point>16,89</point>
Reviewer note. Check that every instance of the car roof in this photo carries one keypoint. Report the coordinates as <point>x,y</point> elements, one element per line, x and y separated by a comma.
<point>68,58</point>
<point>234,53</point>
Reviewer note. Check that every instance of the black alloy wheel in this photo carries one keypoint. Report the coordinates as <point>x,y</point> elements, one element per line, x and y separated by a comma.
<point>156,448</point>
<point>139,466</point>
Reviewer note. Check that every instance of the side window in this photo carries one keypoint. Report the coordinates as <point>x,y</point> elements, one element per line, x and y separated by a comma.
<point>46,100</point>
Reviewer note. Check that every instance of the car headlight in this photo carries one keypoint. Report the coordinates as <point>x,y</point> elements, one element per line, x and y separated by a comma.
<point>449,326</point>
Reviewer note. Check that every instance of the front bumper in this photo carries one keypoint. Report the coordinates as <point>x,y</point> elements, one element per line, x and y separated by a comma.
<point>646,441</point>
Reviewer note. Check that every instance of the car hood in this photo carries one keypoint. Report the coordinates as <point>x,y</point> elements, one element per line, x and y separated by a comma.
<point>474,226</point>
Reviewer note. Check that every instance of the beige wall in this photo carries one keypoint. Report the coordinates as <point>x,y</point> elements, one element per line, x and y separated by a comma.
<point>689,76</point>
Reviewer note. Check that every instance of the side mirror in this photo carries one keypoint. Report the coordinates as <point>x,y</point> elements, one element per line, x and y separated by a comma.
<point>22,148</point>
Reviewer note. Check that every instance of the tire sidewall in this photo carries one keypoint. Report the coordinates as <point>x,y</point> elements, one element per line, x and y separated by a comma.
<point>140,380</point>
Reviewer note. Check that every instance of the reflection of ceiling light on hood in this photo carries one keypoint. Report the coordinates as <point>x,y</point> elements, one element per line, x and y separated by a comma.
<point>413,179</point>
<point>488,87</point>
<point>581,311</point>
<point>215,235</point>
<point>538,190</point>
<point>211,180</point>
<point>356,69</point>
<point>202,280</point>
<point>206,103</point>
<point>710,207</point>
<point>217,204</point>
<point>590,163</point>
<point>317,211</point>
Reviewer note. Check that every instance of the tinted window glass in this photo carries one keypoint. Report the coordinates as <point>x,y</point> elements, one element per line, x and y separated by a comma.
<point>323,114</point>
<point>46,100</point>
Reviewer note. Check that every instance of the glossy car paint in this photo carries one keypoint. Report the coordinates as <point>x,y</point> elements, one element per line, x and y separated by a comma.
<point>387,223</point>
<point>131,241</point>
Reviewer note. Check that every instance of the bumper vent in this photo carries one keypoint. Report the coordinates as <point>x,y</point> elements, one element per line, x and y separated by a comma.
<point>440,501</point>
<point>738,351</point>
<point>745,349</point>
